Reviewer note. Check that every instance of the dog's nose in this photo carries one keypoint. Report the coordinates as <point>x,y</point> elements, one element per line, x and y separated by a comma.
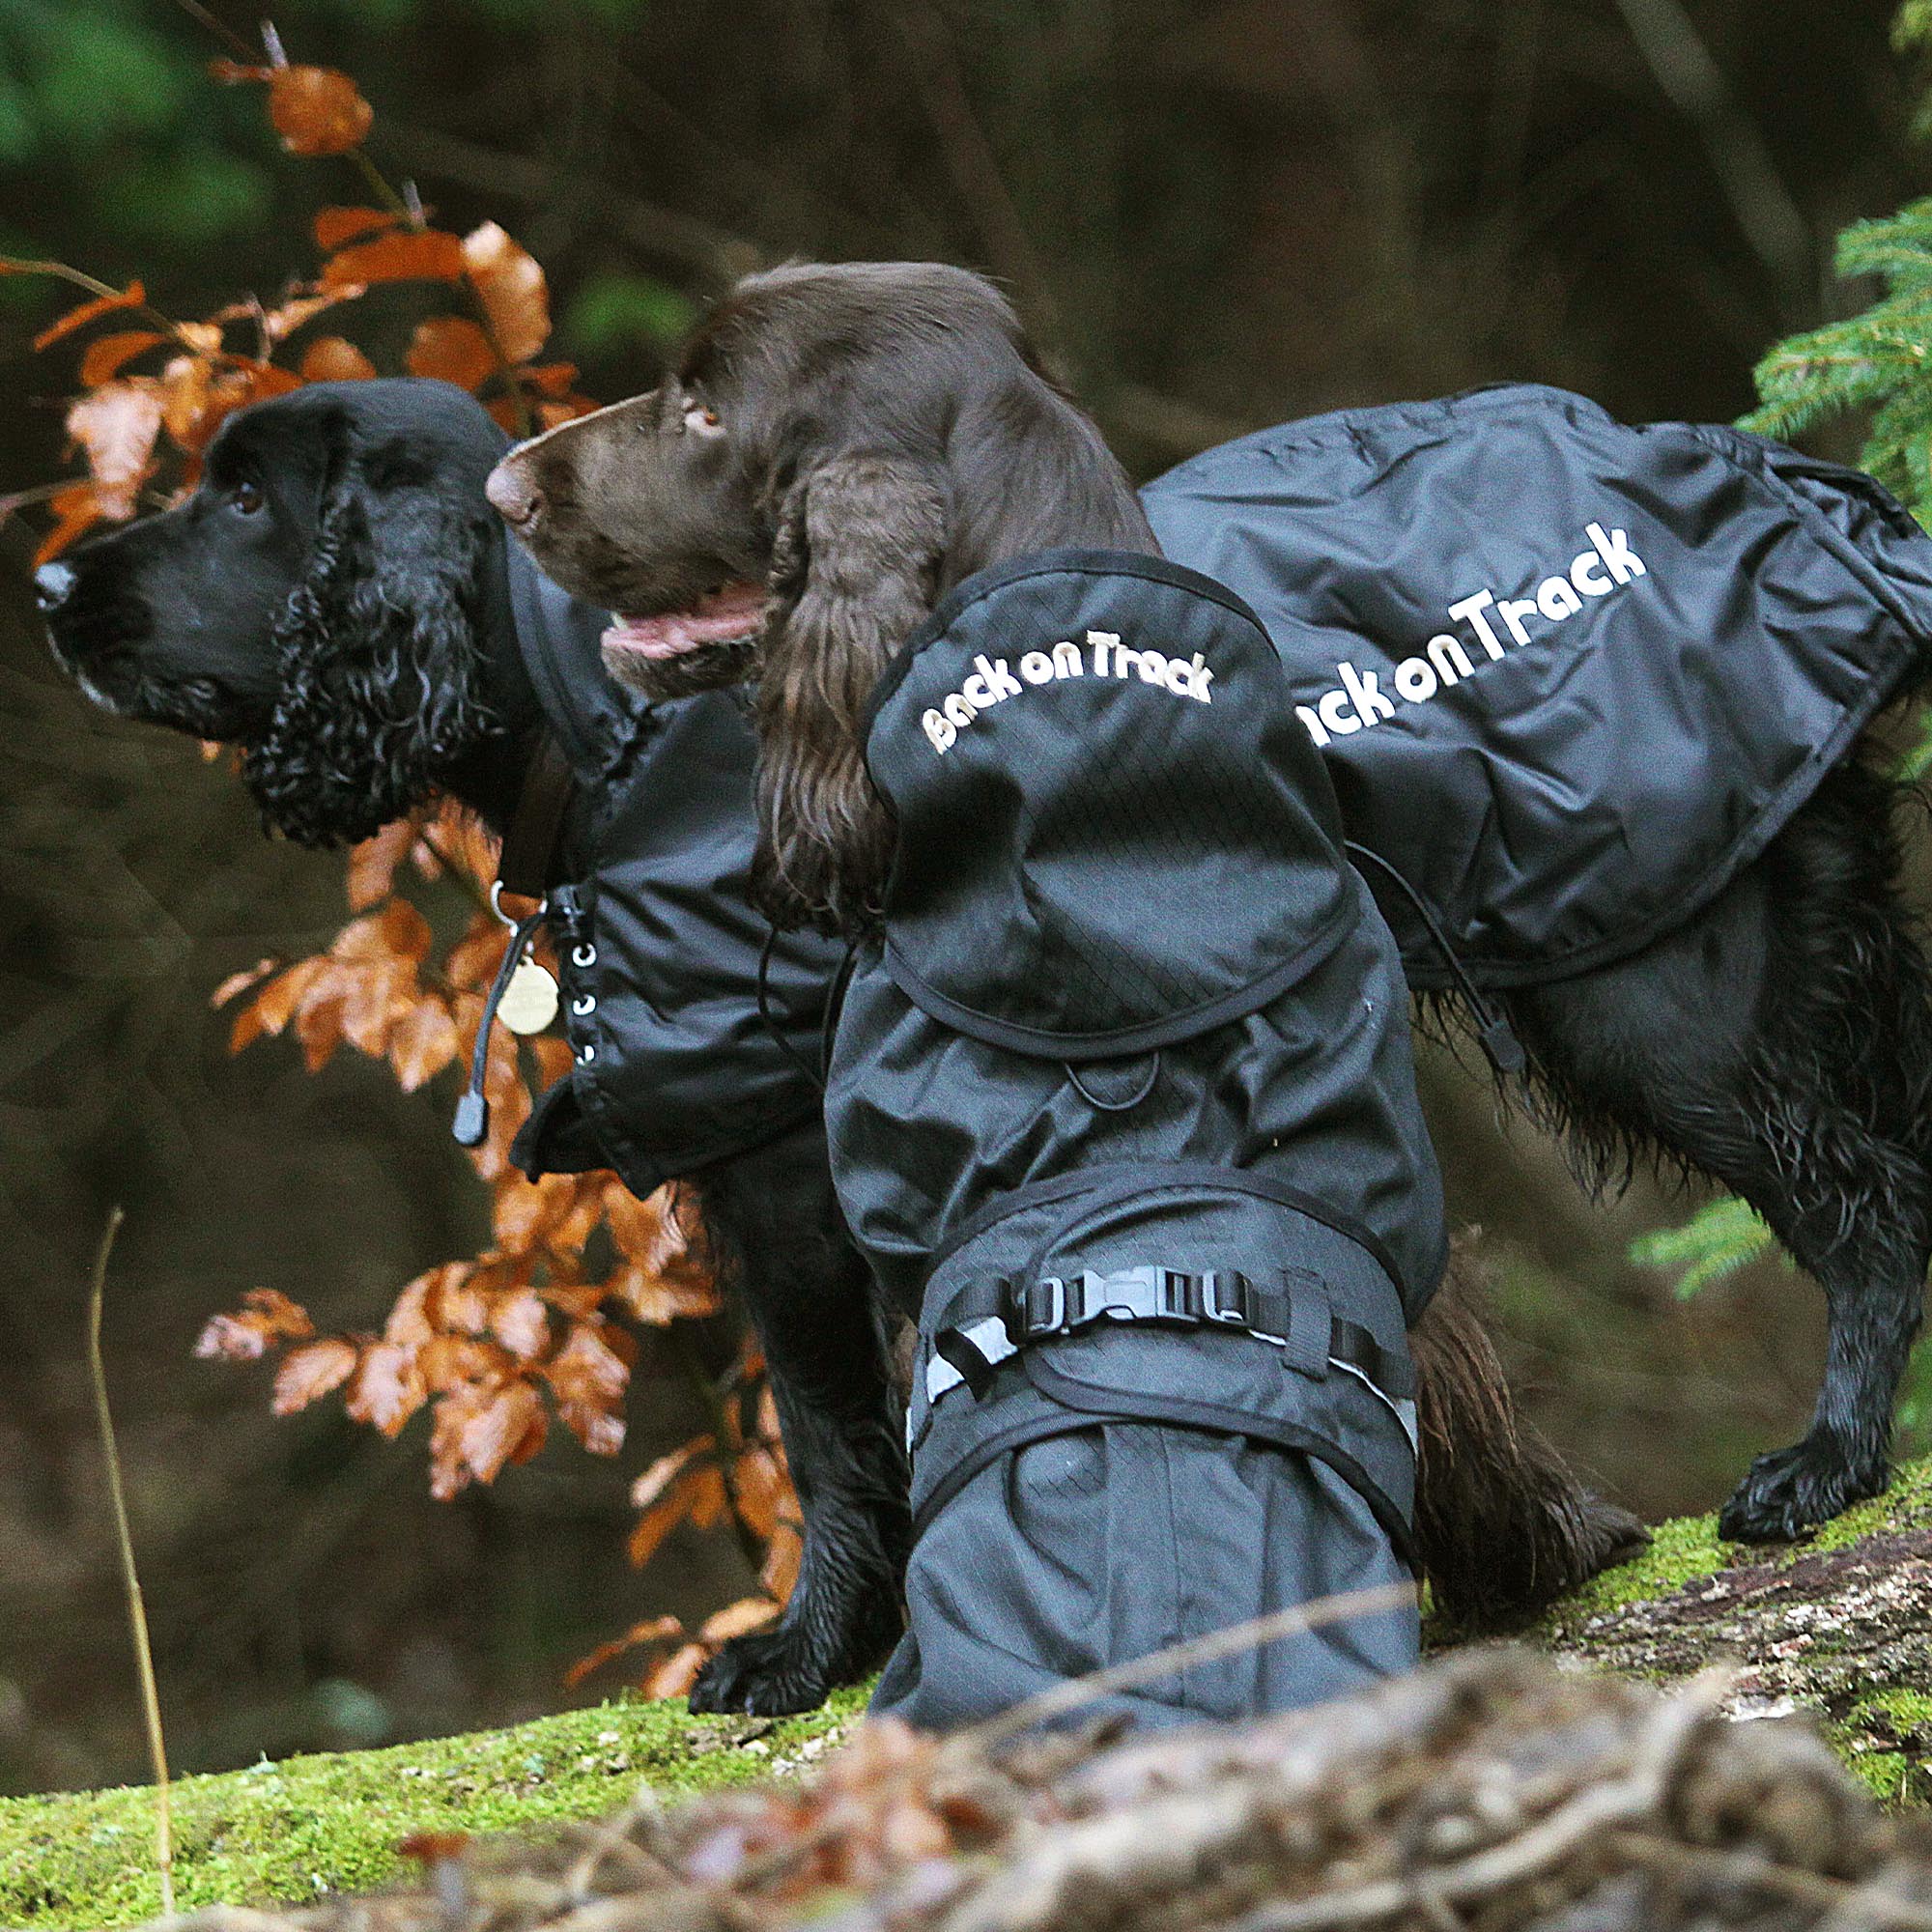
<point>53,585</point>
<point>514,493</point>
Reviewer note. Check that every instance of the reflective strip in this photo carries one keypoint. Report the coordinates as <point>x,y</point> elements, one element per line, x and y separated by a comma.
<point>1405,1411</point>
<point>988,1339</point>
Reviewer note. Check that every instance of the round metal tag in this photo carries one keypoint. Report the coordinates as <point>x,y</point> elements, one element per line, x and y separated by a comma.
<point>529,1001</point>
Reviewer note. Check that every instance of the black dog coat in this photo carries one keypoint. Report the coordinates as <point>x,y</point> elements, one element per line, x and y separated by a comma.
<point>1569,675</point>
<point>657,942</point>
<point>1123,1105</point>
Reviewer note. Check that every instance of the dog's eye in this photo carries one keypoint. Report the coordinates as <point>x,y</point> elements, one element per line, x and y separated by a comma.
<point>246,498</point>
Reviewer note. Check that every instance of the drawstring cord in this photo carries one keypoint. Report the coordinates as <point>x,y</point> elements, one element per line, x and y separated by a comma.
<point>834,1000</point>
<point>1493,1028</point>
<point>472,1111</point>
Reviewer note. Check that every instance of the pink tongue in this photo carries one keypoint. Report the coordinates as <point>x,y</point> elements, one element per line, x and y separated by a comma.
<point>735,612</point>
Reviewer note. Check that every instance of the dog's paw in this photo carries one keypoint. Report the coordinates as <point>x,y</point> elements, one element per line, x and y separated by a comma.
<point>766,1674</point>
<point>1791,1490</point>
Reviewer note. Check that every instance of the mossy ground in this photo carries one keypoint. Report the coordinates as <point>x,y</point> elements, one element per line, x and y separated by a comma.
<point>309,1826</point>
<point>1834,1624</point>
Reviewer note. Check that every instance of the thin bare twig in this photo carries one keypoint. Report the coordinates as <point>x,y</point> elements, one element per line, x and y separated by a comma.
<point>1178,1657</point>
<point>137,1612</point>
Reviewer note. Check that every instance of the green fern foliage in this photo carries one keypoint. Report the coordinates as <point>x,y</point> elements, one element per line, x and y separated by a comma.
<point>1716,1241</point>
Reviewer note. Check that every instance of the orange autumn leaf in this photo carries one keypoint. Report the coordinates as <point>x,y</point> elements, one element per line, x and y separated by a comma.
<point>309,1373</point>
<point>512,289</point>
<point>510,1428</point>
<point>654,1630</point>
<point>116,426</point>
<point>747,1613</point>
<point>372,864</point>
<point>330,359</point>
<point>239,983</point>
<point>133,296</point>
<point>422,1042</point>
<point>387,1389</point>
<point>268,1316</point>
<point>75,513</point>
<point>109,354</point>
<point>410,255</point>
<point>399,932</point>
<point>678,1672</point>
<point>452,350</point>
<point>336,227</point>
<point>314,109</point>
<point>519,1321</point>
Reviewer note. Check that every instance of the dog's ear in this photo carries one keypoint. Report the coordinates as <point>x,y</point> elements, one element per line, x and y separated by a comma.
<point>860,540</point>
<point>382,665</point>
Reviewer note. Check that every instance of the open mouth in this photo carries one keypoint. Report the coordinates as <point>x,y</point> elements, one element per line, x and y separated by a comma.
<point>728,617</point>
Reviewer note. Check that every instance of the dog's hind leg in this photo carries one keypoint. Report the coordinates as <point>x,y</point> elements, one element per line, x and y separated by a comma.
<point>1502,1525</point>
<point>1781,1041</point>
<point>775,1228</point>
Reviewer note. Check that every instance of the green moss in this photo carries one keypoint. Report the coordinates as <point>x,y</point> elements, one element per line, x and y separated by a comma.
<point>1889,1775</point>
<point>309,1826</point>
<point>1689,1547</point>
<point>1680,1549</point>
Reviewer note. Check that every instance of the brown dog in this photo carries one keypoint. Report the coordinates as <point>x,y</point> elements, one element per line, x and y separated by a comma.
<point>840,446</point>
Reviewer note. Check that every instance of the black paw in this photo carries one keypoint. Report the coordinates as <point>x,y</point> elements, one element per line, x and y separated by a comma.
<point>767,1674</point>
<point>1791,1490</point>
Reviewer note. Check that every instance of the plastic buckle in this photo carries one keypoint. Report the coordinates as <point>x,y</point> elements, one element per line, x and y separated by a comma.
<point>1226,1299</point>
<point>1042,1307</point>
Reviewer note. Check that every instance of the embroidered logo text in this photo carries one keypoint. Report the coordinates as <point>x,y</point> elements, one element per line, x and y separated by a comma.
<point>1104,655</point>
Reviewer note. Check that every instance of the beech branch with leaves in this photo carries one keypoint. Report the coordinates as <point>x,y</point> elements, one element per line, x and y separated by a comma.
<point>541,1328</point>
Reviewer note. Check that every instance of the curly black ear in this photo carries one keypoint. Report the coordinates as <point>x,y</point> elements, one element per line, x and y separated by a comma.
<point>381,659</point>
<point>858,553</point>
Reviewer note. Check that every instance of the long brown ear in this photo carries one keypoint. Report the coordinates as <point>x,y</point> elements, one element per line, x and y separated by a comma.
<point>858,553</point>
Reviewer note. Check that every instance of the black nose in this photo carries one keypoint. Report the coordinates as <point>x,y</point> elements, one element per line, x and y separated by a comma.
<point>53,585</point>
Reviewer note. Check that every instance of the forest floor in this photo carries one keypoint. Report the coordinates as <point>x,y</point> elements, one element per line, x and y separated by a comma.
<point>1839,1625</point>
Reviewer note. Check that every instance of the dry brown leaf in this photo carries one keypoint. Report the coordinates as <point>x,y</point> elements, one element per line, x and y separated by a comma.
<point>588,1372</point>
<point>336,227</point>
<point>310,1372</point>
<point>519,1321</point>
<point>451,349</point>
<point>333,358</point>
<point>200,338</point>
<point>512,289</point>
<point>268,1316</point>
<point>109,354</point>
<point>387,1389</point>
<point>133,296</point>
<point>654,1630</point>
<point>116,426</point>
<point>656,1481</point>
<point>509,1428</point>
<point>399,932</point>
<point>239,983</point>
<point>410,255</point>
<point>75,513</point>
<point>678,1672</point>
<point>747,1613</point>
<point>314,109</point>
<point>422,1042</point>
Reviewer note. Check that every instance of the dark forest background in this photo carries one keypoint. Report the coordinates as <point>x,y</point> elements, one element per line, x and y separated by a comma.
<point>1216,215</point>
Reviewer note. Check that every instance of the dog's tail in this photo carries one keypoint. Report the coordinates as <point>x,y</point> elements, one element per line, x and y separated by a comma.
<point>1503,1524</point>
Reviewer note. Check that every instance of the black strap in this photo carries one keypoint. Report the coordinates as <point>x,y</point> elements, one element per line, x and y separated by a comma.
<point>529,845</point>
<point>992,1322</point>
<point>1493,1028</point>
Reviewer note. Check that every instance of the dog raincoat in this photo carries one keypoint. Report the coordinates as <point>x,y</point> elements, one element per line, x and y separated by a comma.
<point>1124,1106</point>
<point>1568,676</point>
<point>657,945</point>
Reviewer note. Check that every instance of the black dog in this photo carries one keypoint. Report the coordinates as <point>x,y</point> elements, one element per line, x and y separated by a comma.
<point>336,599</point>
<point>855,440</point>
